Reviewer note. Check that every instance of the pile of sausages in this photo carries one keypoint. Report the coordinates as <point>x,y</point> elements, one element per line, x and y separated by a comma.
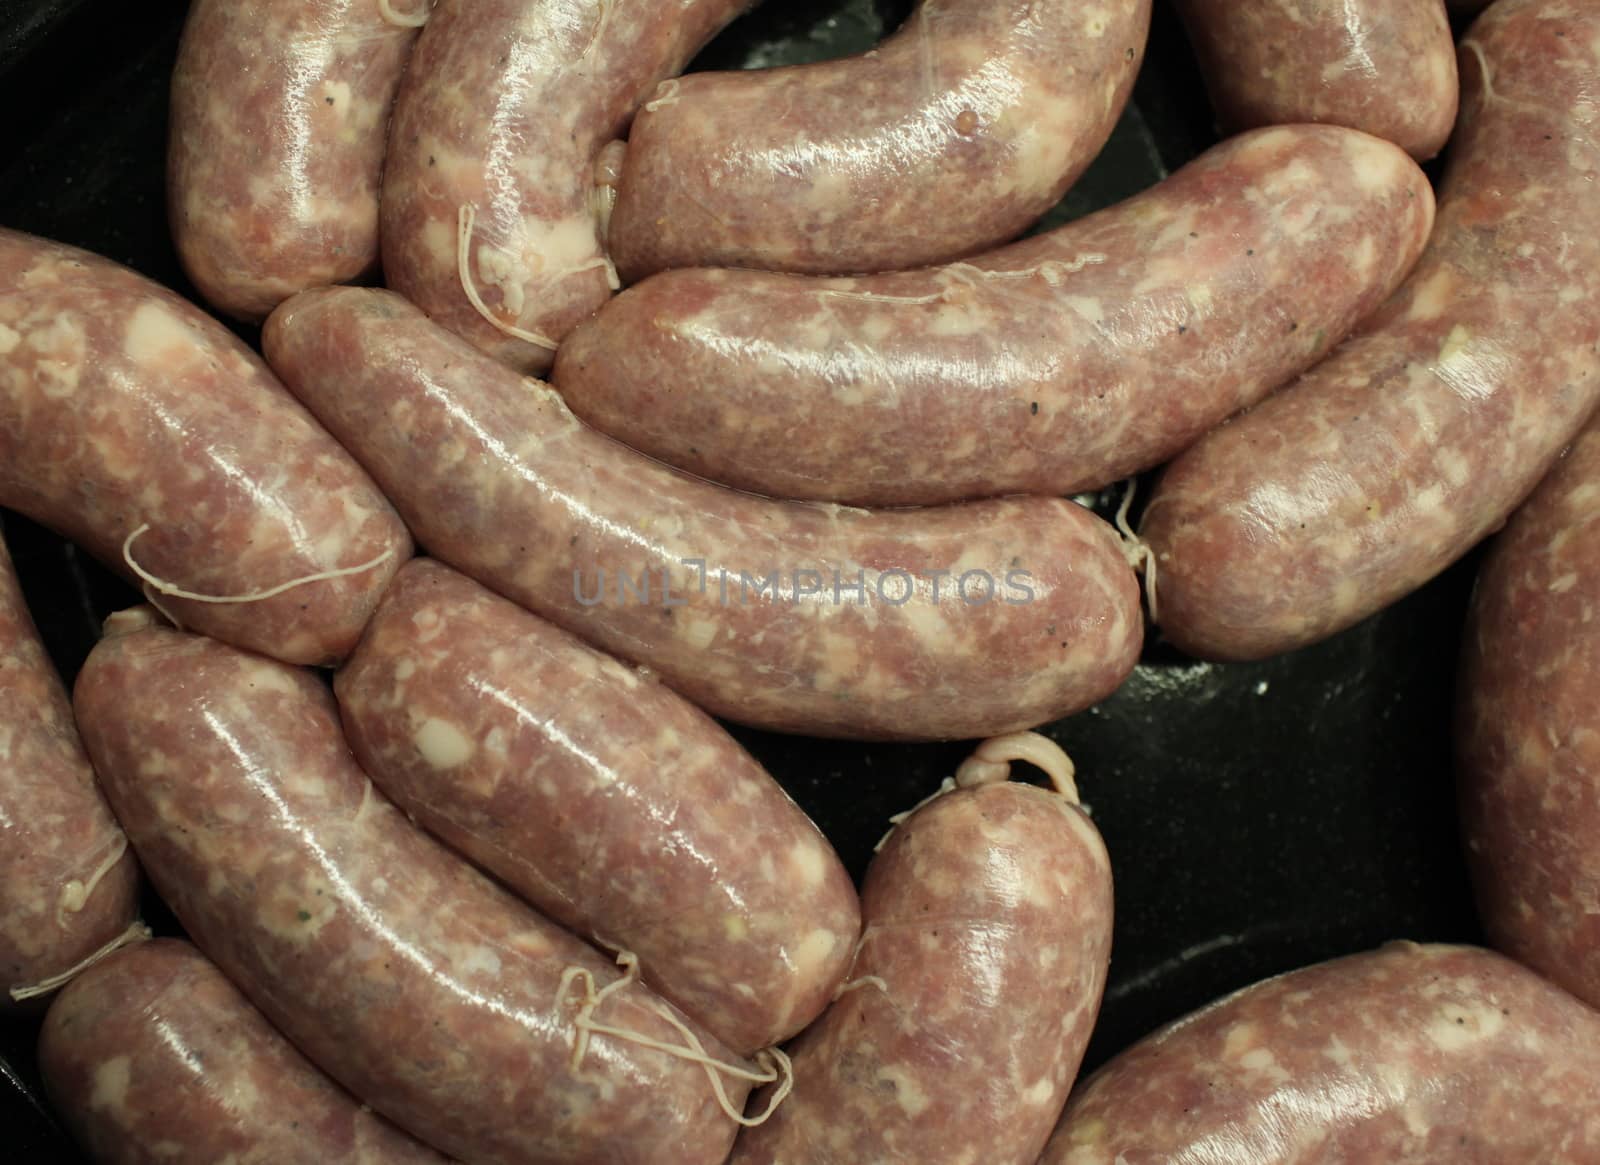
<point>504,892</point>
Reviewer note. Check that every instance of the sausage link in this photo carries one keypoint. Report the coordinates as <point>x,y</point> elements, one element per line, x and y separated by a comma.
<point>280,112</point>
<point>1409,1055</point>
<point>952,136</point>
<point>490,192</point>
<point>68,881</point>
<point>1055,365</point>
<point>1528,740</point>
<point>966,1014</point>
<point>428,991</point>
<point>1385,463</point>
<point>610,803</point>
<point>1384,66</point>
<point>153,1057</point>
<point>950,623</point>
<point>139,427</point>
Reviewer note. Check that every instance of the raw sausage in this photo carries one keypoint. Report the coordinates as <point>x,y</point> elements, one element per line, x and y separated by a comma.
<point>1385,463</point>
<point>954,135</point>
<point>1384,66</point>
<point>154,1057</point>
<point>613,805</point>
<point>1528,750</point>
<point>68,882</point>
<point>280,111</point>
<point>428,991</point>
<point>139,427</point>
<point>1409,1055</point>
<point>1053,366</point>
<point>795,617</point>
<point>490,215</point>
<point>972,996</point>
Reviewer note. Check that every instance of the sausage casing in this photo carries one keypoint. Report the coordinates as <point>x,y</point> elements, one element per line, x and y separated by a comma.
<point>605,799</point>
<point>1385,463</point>
<point>428,991</point>
<point>140,428</point>
<point>955,622</point>
<point>153,1056</point>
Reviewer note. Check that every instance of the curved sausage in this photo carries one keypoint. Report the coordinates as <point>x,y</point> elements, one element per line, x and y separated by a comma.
<point>1055,365</point>
<point>1384,66</point>
<point>141,429</point>
<point>609,802</point>
<point>1385,463</point>
<point>68,882</point>
<point>972,996</point>
<point>1409,1055</point>
<point>952,136</point>
<point>933,624</point>
<point>280,112</point>
<point>153,1057</point>
<point>490,190</point>
<point>1528,737</point>
<point>428,991</point>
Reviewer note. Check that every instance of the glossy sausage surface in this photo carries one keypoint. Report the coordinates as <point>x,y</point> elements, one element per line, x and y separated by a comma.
<point>68,881</point>
<point>153,1057</point>
<point>971,999</point>
<point>490,188</point>
<point>605,799</point>
<point>955,622</point>
<point>430,992</point>
<point>1528,732</point>
<point>952,136</point>
<point>1409,1055</point>
<point>140,428</point>
<point>1055,365</point>
<point>1385,463</point>
<point>280,115</point>
<point>1384,66</point>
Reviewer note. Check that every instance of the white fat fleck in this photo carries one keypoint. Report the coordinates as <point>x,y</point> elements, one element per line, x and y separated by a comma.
<point>154,334</point>
<point>442,744</point>
<point>111,1083</point>
<point>698,633</point>
<point>405,669</point>
<point>336,96</point>
<point>1040,1093</point>
<point>908,1093</point>
<point>9,339</point>
<point>1456,1027</point>
<point>1086,307</point>
<point>735,928</point>
<point>814,950</point>
<point>1565,583</point>
<point>808,860</point>
<point>481,960</point>
<point>1240,1039</point>
<point>1455,344</point>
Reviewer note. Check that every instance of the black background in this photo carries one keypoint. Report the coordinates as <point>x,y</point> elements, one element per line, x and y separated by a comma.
<point>1259,817</point>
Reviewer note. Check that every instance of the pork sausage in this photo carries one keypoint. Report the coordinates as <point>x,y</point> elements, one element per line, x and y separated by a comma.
<point>1409,1055</point>
<point>1055,365</point>
<point>1384,66</point>
<point>431,993</point>
<point>612,804</point>
<point>951,137</point>
<point>1528,729</point>
<point>977,982</point>
<point>139,427</point>
<point>279,116</point>
<point>1385,463</point>
<point>153,1057</point>
<point>68,882</point>
<point>490,220</point>
<point>944,623</point>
